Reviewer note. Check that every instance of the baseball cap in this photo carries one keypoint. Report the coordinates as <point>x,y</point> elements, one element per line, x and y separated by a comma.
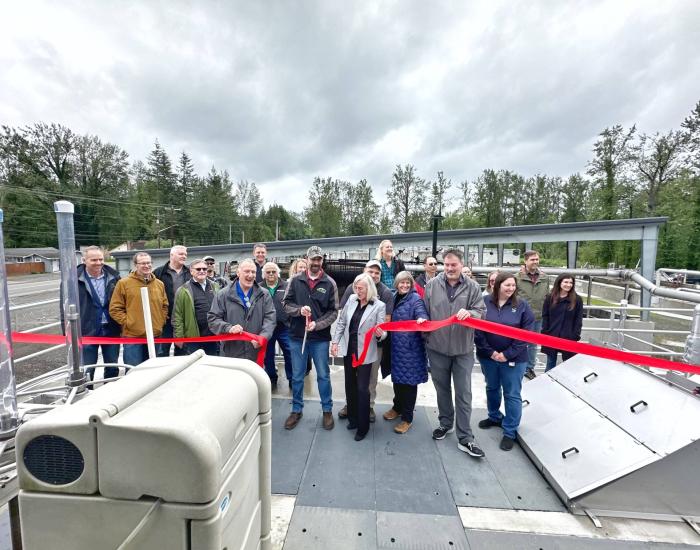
<point>208,258</point>
<point>374,263</point>
<point>314,252</point>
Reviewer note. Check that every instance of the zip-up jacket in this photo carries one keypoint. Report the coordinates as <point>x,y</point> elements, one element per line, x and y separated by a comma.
<point>454,339</point>
<point>228,310</point>
<point>321,297</point>
<point>126,309</point>
<point>559,320</point>
<point>520,316</point>
<point>90,311</point>
<point>277,298</point>
<point>184,317</point>
<point>534,293</point>
<point>163,273</point>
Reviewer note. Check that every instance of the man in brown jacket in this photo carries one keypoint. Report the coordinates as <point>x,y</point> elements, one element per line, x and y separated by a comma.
<point>127,310</point>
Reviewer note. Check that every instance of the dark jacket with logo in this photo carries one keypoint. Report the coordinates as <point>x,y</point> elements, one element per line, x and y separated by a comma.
<point>519,316</point>
<point>321,297</point>
<point>163,273</point>
<point>277,298</point>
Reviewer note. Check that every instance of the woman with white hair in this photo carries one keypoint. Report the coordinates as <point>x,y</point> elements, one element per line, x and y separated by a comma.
<point>389,263</point>
<point>362,311</point>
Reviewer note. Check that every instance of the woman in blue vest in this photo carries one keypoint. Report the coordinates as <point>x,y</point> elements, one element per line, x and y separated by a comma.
<point>504,360</point>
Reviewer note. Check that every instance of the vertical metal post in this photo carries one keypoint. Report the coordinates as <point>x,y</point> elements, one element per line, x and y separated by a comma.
<point>8,405</point>
<point>499,255</point>
<point>692,343</point>
<point>650,236</point>
<point>436,222</point>
<point>69,289</point>
<point>571,254</point>
<point>621,324</point>
<point>480,248</point>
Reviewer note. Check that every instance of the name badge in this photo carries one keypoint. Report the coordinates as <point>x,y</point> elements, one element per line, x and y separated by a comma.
<point>321,290</point>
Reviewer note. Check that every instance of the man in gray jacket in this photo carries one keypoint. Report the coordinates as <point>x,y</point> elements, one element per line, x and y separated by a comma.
<point>243,307</point>
<point>451,349</point>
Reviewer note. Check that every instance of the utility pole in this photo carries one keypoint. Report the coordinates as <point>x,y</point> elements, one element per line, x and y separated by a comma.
<point>436,221</point>
<point>277,230</point>
<point>158,225</point>
<point>230,240</point>
<point>242,236</point>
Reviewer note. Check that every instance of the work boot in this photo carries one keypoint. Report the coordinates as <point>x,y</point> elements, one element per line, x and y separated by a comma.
<point>292,421</point>
<point>391,414</point>
<point>343,413</point>
<point>328,422</point>
<point>402,427</point>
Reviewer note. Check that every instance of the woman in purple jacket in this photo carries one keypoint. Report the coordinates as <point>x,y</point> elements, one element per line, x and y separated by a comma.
<point>504,360</point>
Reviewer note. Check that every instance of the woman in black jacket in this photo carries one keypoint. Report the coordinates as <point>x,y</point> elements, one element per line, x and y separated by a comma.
<point>562,316</point>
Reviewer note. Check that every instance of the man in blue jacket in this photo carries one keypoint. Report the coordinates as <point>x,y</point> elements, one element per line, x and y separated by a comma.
<point>96,282</point>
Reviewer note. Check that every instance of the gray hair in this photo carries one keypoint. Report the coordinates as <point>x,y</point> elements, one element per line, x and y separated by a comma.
<point>135,258</point>
<point>246,261</point>
<point>371,287</point>
<point>178,247</point>
<point>92,248</point>
<point>268,265</point>
<point>403,276</point>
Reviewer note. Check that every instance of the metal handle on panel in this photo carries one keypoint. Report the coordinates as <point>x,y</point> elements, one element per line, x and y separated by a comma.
<point>565,453</point>
<point>640,402</point>
<point>585,378</point>
<point>525,402</point>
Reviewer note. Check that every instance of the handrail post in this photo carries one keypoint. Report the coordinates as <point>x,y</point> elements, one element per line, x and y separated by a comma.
<point>692,342</point>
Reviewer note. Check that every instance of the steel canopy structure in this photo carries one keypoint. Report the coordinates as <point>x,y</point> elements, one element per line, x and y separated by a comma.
<point>645,230</point>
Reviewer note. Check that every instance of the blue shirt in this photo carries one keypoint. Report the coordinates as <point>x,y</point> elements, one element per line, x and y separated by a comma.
<point>99,285</point>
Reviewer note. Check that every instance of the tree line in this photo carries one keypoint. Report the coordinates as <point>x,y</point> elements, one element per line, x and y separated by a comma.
<point>630,174</point>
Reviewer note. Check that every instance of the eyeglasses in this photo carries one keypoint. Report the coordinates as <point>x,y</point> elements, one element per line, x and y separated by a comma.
<point>210,263</point>
<point>144,263</point>
<point>432,263</point>
<point>199,268</point>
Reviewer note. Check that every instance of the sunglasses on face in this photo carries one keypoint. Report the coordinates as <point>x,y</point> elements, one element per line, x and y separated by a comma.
<point>200,268</point>
<point>432,263</point>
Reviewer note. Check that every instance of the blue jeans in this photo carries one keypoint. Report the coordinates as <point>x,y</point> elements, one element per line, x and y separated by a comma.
<point>552,359</point>
<point>163,350</point>
<point>135,354</point>
<point>281,335</point>
<point>318,350</point>
<point>508,381</point>
<point>532,348</point>
<point>110,352</point>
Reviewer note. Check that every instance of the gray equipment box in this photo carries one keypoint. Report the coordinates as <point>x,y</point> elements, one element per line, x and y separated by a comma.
<point>176,455</point>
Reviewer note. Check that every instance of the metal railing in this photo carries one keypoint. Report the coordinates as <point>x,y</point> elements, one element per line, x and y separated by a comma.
<point>47,326</point>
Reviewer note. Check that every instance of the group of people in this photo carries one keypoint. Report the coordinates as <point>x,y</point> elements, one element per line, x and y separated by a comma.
<point>298,314</point>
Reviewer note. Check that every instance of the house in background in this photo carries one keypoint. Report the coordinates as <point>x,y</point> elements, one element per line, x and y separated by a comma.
<point>23,261</point>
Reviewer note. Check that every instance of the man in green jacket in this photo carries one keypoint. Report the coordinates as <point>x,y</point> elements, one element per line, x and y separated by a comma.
<point>192,303</point>
<point>533,285</point>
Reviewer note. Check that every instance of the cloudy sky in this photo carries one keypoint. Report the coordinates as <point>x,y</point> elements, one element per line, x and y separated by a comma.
<point>278,92</point>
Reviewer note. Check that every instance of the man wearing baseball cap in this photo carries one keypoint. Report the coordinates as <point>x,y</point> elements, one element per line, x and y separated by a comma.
<point>311,303</point>
<point>211,272</point>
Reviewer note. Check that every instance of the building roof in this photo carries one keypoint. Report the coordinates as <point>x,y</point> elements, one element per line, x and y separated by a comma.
<point>49,253</point>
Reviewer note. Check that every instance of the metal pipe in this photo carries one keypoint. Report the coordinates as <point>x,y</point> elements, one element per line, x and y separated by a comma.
<point>660,291</point>
<point>148,322</point>
<point>8,404</point>
<point>69,289</point>
<point>692,343</point>
<point>35,304</point>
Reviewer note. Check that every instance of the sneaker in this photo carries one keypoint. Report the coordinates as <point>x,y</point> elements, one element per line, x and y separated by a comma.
<point>343,413</point>
<point>402,427</point>
<point>471,449</point>
<point>292,421</point>
<point>372,416</point>
<point>487,423</point>
<point>328,422</point>
<point>506,443</point>
<point>391,414</point>
<point>530,374</point>
<point>440,432</point>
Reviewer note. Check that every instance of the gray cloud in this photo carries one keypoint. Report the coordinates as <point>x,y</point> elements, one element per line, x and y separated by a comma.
<point>279,92</point>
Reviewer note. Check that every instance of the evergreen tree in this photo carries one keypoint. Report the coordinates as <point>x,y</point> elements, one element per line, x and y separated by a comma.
<point>406,198</point>
<point>324,215</point>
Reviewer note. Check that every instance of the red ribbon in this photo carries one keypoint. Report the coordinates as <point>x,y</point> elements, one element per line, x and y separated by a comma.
<point>55,339</point>
<point>527,336</point>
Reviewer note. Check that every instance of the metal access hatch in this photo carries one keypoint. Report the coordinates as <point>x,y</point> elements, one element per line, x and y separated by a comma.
<point>601,429</point>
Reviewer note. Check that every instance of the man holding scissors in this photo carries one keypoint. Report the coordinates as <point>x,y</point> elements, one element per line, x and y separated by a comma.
<point>311,303</point>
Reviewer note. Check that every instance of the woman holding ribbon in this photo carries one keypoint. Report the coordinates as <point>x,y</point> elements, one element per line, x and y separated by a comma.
<point>504,360</point>
<point>409,363</point>
<point>562,316</point>
<point>362,311</point>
